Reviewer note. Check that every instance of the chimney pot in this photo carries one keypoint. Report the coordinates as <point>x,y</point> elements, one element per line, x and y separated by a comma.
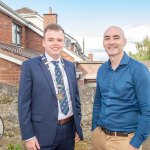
<point>49,18</point>
<point>90,56</point>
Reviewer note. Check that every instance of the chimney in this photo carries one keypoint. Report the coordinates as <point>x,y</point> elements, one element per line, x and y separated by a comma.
<point>50,18</point>
<point>90,56</point>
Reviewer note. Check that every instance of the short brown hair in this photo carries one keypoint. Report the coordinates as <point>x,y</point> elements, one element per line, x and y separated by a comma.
<point>54,27</point>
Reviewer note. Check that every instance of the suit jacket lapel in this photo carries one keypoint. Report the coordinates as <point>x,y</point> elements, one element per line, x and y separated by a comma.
<point>48,76</point>
<point>68,70</point>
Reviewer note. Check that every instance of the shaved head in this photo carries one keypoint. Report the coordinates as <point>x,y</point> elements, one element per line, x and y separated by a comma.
<point>114,28</point>
<point>114,41</point>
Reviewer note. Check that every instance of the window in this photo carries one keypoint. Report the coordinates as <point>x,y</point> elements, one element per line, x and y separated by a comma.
<point>16,34</point>
<point>67,42</point>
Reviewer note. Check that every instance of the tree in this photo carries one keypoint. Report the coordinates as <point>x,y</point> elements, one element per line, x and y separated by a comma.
<point>143,49</point>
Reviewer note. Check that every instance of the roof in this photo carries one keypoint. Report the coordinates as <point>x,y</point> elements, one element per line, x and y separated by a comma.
<point>27,53</point>
<point>29,13</point>
<point>19,50</point>
<point>25,10</point>
<point>10,12</point>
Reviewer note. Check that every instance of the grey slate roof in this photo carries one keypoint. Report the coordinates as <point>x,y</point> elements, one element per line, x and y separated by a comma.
<point>20,51</point>
<point>25,10</point>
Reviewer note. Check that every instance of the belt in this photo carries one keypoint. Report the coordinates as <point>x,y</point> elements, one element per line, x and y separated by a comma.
<point>63,121</point>
<point>108,132</point>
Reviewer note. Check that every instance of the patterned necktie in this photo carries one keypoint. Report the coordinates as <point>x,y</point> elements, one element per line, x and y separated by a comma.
<point>61,96</point>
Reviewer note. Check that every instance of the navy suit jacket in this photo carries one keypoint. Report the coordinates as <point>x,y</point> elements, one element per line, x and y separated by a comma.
<point>37,102</point>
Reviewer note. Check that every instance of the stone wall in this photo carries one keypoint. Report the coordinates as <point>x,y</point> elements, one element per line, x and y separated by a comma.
<point>8,111</point>
<point>87,95</point>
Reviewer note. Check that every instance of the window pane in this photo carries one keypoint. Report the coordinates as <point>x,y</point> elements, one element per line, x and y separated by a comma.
<point>13,33</point>
<point>16,34</point>
<point>18,39</point>
<point>18,29</point>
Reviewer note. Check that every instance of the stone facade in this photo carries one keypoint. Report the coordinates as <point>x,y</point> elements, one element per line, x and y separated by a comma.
<point>9,113</point>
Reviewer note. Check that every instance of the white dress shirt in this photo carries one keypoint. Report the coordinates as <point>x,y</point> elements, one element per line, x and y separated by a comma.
<point>65,79</point>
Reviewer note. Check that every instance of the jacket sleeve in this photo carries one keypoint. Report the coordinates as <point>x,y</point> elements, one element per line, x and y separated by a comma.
<point>77,97</point>
<point>24,102</point>
<point>78,107</point>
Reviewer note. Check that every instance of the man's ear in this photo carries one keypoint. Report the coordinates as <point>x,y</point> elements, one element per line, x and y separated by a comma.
<point>125,42</point>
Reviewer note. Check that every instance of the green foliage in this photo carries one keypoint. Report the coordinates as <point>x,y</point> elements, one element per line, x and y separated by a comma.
<point>143,50</point>
<point>14,147</point>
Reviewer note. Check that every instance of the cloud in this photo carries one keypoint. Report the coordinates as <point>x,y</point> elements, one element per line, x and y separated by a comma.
<point>132,33</point>
<point>136,33</point>
<point>93,43</point>
<point>90,42</point>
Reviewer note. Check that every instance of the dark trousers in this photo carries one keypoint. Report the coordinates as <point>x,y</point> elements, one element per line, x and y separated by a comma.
<point>64,139</point>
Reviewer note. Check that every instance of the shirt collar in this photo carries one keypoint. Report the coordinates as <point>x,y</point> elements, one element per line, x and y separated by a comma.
<point>49,58</point>
<point>124,61</point>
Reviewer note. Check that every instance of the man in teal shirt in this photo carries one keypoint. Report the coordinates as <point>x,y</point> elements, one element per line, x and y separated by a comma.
<point>121,110</point>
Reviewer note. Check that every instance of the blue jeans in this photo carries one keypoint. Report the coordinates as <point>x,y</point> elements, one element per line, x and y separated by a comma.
<point>64,139</point>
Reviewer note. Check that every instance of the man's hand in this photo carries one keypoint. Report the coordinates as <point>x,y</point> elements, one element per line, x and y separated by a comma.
<point>133,148</point>
<point>32,144</point>
<point>77,139</point>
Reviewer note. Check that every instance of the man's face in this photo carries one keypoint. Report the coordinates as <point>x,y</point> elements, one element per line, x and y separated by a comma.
<point>114,41</point>
<point>53,43</point>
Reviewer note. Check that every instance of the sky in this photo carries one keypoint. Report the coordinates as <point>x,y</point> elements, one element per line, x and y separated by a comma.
<point>89,19</point>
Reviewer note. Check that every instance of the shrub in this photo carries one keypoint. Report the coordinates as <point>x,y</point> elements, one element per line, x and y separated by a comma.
<point>14,147</point>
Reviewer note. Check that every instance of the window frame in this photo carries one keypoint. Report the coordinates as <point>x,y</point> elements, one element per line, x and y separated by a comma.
<point>16,34</point>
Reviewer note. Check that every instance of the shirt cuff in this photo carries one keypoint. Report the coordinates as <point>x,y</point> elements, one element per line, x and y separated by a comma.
<point>136,141</point>
<point>29,139</point>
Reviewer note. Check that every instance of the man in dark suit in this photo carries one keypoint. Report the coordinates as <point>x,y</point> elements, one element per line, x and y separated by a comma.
<point>49,104</point>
